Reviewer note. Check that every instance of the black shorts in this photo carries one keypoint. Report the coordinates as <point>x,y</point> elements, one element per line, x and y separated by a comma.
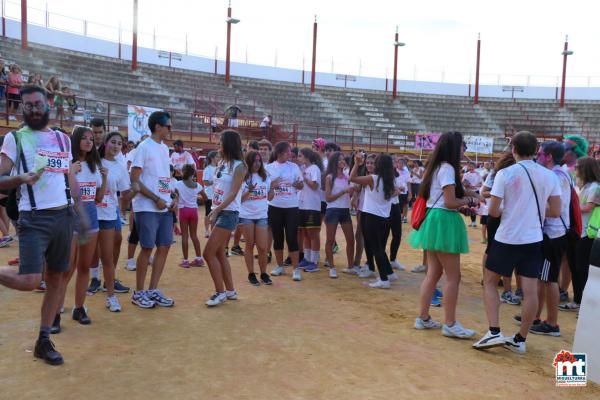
<point>323,208</point>
<point>551,268</point>
<point>504,258</point>
<point>483,219</point>
<point>403,200</point>
<point>492,226</point>
<point>207,207</point>
<point>14,99</point>
<point>309,219</point>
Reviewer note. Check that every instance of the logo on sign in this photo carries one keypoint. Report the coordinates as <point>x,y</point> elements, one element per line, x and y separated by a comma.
<point>571,368</point>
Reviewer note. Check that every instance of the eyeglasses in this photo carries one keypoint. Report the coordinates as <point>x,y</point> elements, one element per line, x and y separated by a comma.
<point>39,106</point>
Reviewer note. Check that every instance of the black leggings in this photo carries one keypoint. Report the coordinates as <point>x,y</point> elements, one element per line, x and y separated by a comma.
<point>133,234</point>
<point>582,267</point>
<point>414,188</point>
<point>284,220</point>
<point>375,232</point>
<point>395,223</point>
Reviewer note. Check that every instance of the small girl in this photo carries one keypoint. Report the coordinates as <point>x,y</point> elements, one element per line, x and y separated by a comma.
<point>189,190</point>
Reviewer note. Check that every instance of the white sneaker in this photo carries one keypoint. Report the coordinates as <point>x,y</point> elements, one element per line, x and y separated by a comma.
<point>216,299</point>
<point>112,303</point>
<point>297,276</point>
<point>333,273</point>
<point>130,265</point>
<point>379,284</point>
<point>231,294</point>
<point>490,340</point>
<point>513,346</point>
<point>419,268</point>
<point>457,331</point>
<point>278,270</point>
<point>326,264</point>
<point>392,277</point>
<point>429,324</point>
<point>352,271</point>
<point>396,265</point>
<point>124,221</point>
<point>366,273</point>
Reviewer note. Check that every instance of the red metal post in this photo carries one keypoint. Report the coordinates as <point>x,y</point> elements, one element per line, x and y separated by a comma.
<point>476,98</point>
<point>23,24</point>
<point>227,53</point>
<point>395,64</point>
<point>314,57</point>
<point>134,44</point>
<point>564,74</point>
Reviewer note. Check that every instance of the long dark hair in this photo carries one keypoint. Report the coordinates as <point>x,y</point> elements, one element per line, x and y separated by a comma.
<point>92,157</point>
<point>102,148</point>
<point>231,147</point>
<point>332,164</point>
<point>384,169</point>
<point>588,170</point>
<point>313,157</point>
<point>279,148</point>
<point>448,149</point>
<point>250,158</point>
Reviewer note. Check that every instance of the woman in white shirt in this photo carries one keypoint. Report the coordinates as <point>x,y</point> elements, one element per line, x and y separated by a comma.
<point>367,270</point>
<point>207,181</point>
<point>224,216</point>
<point>189,190</point>
<point>256,192</point>
<point>443,233</point>
<point>338,191</point>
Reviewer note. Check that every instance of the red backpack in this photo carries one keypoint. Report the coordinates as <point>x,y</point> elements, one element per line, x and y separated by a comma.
<point>576,226</point>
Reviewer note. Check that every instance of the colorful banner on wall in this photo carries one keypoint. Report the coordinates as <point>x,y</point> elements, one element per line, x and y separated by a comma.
<point>479,144</point>
<point>426,141</point>
<point>137,121</point>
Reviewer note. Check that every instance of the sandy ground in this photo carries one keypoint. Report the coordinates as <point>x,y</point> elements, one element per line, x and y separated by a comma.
<point>316,339</point>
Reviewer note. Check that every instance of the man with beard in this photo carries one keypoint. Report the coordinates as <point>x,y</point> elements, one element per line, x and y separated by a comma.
<point>45,204</point>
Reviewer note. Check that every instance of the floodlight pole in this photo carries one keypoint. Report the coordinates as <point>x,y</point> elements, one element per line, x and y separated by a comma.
<point>395,64</point>
<point>314,57</point>
<point>476,98</point>
<point>23,24</point>
<point>134,42</point>
<point>564,72</point>
<point>227,52</point>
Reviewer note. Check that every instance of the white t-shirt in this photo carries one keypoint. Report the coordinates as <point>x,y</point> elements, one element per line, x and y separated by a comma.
<point>375,202</point>
<point>188,197</point>
<point>286,195</point>
<point>553,227</point>
<point>264,123</point>
<point>398,185</point>
<point>153,159</point>
<point>311,199</point>
<point>121,159</point>
<point>89,182</point>
<point>590,193</point>
<point>474,179</point>
<point>338,185</point>
<point>178,160</point>
<point>223,180</point>
<point>520,223</point>
<point>208,175</point>
<point>41,150</point>
<point>129,159</point>
<point>256,205</point>
<point>442,177</point>
<point>404,180</point>
<point>325,163</point>
<point>116,181</point>
<point>415,178</point>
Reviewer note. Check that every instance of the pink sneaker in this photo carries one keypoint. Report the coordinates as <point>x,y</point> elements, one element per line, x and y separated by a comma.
<point>184,264</point>
<point>198,262</point>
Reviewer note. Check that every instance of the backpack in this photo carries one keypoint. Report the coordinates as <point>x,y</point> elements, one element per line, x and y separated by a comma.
<point>576,223</point>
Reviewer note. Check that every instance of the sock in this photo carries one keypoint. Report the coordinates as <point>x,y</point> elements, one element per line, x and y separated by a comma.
<point>519,338</point>
<point>307,255</point>
<point>315,256</point>
<point>495,330</point>
<point>44,332</point>
<point>95,272</point>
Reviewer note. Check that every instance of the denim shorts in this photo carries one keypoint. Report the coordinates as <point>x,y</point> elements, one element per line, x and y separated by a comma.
<point>115,224</point>
<point>227,220</point>
<point>260,222</point>
<point>154,228</point>
<point>337,215</point>
<point>119,224</point>
<point>89,207</point>
<point>45,236</point>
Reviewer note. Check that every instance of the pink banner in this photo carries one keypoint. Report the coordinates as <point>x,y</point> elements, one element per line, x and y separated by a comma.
<point>426,141</point>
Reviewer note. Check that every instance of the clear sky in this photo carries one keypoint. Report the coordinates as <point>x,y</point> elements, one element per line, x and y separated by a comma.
<point>520,38</point>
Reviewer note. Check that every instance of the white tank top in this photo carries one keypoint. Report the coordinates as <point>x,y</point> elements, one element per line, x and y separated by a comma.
<point>375,202</point>
<point>339,185</point>
<point>223,179</point>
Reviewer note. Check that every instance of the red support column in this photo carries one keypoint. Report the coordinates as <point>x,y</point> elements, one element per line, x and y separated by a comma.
<point>476,98</point>
<point>23,24</point>
<point>134,43</point>
<point>227,52</point>
<point>395,64</point>
<point>314,57</point>
<point>564,73</point>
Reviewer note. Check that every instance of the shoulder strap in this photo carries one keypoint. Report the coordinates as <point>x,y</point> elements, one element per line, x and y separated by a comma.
<point>62,148</point>
<point>537,203</point>
<point>21,156</point>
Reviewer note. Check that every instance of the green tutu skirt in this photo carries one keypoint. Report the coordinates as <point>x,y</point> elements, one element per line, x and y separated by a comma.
<point>443,230</point>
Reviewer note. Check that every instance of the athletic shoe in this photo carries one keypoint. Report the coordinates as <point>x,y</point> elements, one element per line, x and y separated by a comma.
<point>297,276</point>
<point>130,266</point>
<point>572,306</point>
<point>419,268</point>
<point>80,315</point>
<point>288,261</point>
<point>231,294</point>
<point>278,270</point>
<point>41,287</point>
<point>184,264</point>
<point>252,279</point>
<point>393,277</point>
<point>265,279</point>
<point>124,221</point>
<point>490,340</point>
<point>457,331</point>
<point>198,262</point>
<point>366,273</point>
<point>236,251</point>
<point>311,267</point>
<point>517,319</point>
<point>216,299</point>
<point>564,296</point>
<point>335,248</point>
<point>379,284</point>
<point>438,292</point>
<point>519,294</point>
<point>112,303</point>
<point>159,298</point>
<point>352,271</point>
<point>516,347</point>
<point>303,263</point>
<point>396,265</point>
<point>95,285</point>
<point>141,299</point>
<point>508,298</point>
<point>6,240</point>
<point>435,300</point>
<point>333,273</point>
<point>429,324</point>
<point>119,287</point>
<point>55,328</point>
<point>326,264</point>
<point>545,329</point>
<point>44,349</point>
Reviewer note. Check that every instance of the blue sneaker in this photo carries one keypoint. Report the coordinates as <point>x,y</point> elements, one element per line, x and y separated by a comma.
<point>437,292</point>
<point>311,267</point>
<point>435,299</point>
<point>302,264</point>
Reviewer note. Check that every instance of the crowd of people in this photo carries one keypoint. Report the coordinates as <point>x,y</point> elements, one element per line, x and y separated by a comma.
<point>537,205</point>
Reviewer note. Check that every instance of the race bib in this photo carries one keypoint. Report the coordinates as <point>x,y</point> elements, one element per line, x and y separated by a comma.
<point>258,193</point>
<point>284,190</point>
<point>52,161</point>
<point>218,195</point>
<point>87,190</point>
<point>163,185</point>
